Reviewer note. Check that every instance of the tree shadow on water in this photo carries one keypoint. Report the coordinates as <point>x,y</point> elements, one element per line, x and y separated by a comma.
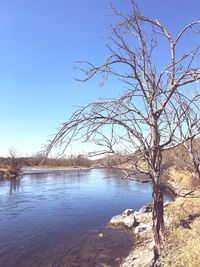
<point>14,185</point>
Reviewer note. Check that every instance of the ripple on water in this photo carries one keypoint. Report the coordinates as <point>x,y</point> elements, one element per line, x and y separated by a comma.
<point>53,219</point>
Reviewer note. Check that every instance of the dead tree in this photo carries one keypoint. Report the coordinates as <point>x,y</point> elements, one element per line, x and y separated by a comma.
<point>144,118</point>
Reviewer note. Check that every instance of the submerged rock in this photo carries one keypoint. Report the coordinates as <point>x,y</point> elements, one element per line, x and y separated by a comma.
<point>101,235</point>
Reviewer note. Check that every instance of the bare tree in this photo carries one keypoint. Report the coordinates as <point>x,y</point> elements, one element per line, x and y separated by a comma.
<point>15,165</point>
<point>146,118</point>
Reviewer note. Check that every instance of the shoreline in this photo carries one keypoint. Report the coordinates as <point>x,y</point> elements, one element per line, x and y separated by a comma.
<point>141,253</point>
<point>49,169</point>
<point>180,182</point>
<point>35,168</point>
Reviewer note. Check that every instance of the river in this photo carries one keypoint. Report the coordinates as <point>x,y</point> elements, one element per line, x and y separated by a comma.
<point>52,219</point>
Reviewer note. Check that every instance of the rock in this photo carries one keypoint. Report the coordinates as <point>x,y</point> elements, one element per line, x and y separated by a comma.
<point>130,221</point>
<point>142,217</point>
<point>127,212</point>
<point>101,235</point>
<point>126,219</point>
<point>117,220</point>
<point>146,208</point>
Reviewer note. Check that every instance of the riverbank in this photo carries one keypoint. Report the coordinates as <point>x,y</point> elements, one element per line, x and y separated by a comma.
<point>6,173</point>
<point>181,215</point>
<point>140,225</point>
<point>142,253</point>
<point>182,244</point>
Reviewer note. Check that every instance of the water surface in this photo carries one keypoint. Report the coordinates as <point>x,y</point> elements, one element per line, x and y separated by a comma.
<point>53,219</point>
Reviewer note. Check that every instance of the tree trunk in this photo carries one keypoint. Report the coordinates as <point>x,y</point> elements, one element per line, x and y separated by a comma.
<point>158,218</point>
<point>155,163</point>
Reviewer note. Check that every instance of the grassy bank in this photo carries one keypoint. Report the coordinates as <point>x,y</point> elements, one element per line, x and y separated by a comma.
<point>182,237</point>
<point>182,244</point>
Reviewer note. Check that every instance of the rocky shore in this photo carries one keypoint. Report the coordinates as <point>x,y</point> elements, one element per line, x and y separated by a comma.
<point>140,224</point>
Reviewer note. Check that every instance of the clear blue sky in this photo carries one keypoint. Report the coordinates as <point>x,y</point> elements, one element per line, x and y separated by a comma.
<point>40,41</point>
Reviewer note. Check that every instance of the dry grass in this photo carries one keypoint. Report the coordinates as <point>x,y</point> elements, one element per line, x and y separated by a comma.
<point>180,178</point>
<point>183,236</point>
<point>184,210</point>
<point>4,167</point>
<point>184,246</point>
<point>183,178</point>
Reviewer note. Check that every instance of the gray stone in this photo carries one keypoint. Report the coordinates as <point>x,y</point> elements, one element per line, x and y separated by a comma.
<point>146,208</point>
<point>127,212</point>
<point>142,217</point>
<point>117,220</point>
<point>130,221</point>
<point>126,219</point>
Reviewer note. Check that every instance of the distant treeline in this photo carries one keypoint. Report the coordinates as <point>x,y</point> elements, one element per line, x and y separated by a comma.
<point>178,156</point>
<point>71,161</point>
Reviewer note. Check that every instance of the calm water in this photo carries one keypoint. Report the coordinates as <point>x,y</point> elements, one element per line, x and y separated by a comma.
<point>53,219</point>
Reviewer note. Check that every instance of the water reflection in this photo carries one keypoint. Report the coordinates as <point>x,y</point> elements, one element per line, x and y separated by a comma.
<point>14,185</point>
<point>70,175</point>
